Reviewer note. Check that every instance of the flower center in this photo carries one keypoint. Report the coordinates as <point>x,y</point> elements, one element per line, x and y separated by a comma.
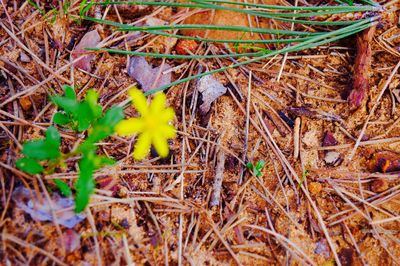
<point>151,122</point>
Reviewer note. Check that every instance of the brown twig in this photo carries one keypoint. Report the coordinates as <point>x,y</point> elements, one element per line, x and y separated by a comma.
<point>362,65</point>
<point>219,176</point>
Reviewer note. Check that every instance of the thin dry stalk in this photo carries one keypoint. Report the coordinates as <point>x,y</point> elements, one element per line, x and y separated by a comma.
<point>219,176</point>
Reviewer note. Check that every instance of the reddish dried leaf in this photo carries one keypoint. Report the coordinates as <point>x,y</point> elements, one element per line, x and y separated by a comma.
<point>147,76</point>
<point>90,40</point>
<point>384,162</point>
<point>331,158</point>
<point>346,256</point>
<point>329,139</point>
<point>72,240</point>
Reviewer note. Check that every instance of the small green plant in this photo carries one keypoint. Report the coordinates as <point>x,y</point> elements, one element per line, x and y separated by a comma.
<point>45,155</point>
<point>61,9</point>
<point>257,168</point>
<point>304,175</point>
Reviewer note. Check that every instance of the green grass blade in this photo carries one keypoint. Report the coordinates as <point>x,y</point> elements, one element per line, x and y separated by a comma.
<point>274,15</point>
<point>123,27</point>
<point>206,4</point>
<point>299,8</point>
<point>219,28</point>
<point>172,56</point>
<point>314,42</point>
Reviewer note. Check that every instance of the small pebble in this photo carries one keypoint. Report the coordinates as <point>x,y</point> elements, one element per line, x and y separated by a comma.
<point>333,158</point>
<point>24,58</point>
<point>25,103</point>
<point>315,188</point>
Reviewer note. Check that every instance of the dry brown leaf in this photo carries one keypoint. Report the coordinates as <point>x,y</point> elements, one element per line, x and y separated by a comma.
<point>147,76</point>
<point>210,89</point>
<point>89,40</point>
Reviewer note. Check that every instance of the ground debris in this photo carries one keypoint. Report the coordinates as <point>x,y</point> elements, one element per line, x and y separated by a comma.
<point>72,240</point>
<point>210,89</point>
<point>332,158</point>
<point>384,162</point>
<point>313,113</point>
<point>219,176</point>
<point>29,202</point>
<point>379,185</point>
<point>361,68</point>
<point>186,46</point>
<point>90,40</point>
<point>148,77</point>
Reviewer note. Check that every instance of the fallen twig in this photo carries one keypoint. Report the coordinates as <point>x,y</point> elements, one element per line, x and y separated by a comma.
<point>361,68</point>
<point>219,175</point>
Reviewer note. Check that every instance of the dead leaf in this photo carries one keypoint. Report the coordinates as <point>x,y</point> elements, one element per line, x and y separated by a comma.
<point>332,158</point>
<point>210,89</point>
<point>322,248</point>
<point>90,40</point>
<point>314,113</point>
<point>28,201</point>
<point>72,240</point>
<point>384,162</point>
<point>146,75</point>
<point>329,140</point>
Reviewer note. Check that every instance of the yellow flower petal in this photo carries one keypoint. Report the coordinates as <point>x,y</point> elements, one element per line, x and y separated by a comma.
<point>139,101</point>
<point>158,103</point>
<point>142,146</point>
<point>161,145</point>
<point>167,131</point>
<point>167,114</point>
<point>129,127</point>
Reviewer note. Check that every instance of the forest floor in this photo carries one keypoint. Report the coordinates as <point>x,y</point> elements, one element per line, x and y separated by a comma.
<point>329,189</point>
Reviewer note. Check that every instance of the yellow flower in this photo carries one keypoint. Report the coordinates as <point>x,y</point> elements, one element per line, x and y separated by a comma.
<point>152,126</point>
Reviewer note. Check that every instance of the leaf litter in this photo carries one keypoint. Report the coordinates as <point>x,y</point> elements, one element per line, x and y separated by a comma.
<point>31,203</point>
<point>148,77</point>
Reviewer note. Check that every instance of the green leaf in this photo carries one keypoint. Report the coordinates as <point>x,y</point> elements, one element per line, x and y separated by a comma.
<point>63,187</point>
<point>260,164</point>
<point>91,98</point>
<point>40,150</point>
<point>105,125</point>
<point>257,169</point>
<point>101,161</point>
<point>70,106</point>
<point>249,166</point>
<point>44,149</point>
<point>69,92</point>
<point>85,184</point>
<point>112,116</point>
<point>29,166</point>
<point>61,119</point>
<point>53,137</point>
<point>89,111</point>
